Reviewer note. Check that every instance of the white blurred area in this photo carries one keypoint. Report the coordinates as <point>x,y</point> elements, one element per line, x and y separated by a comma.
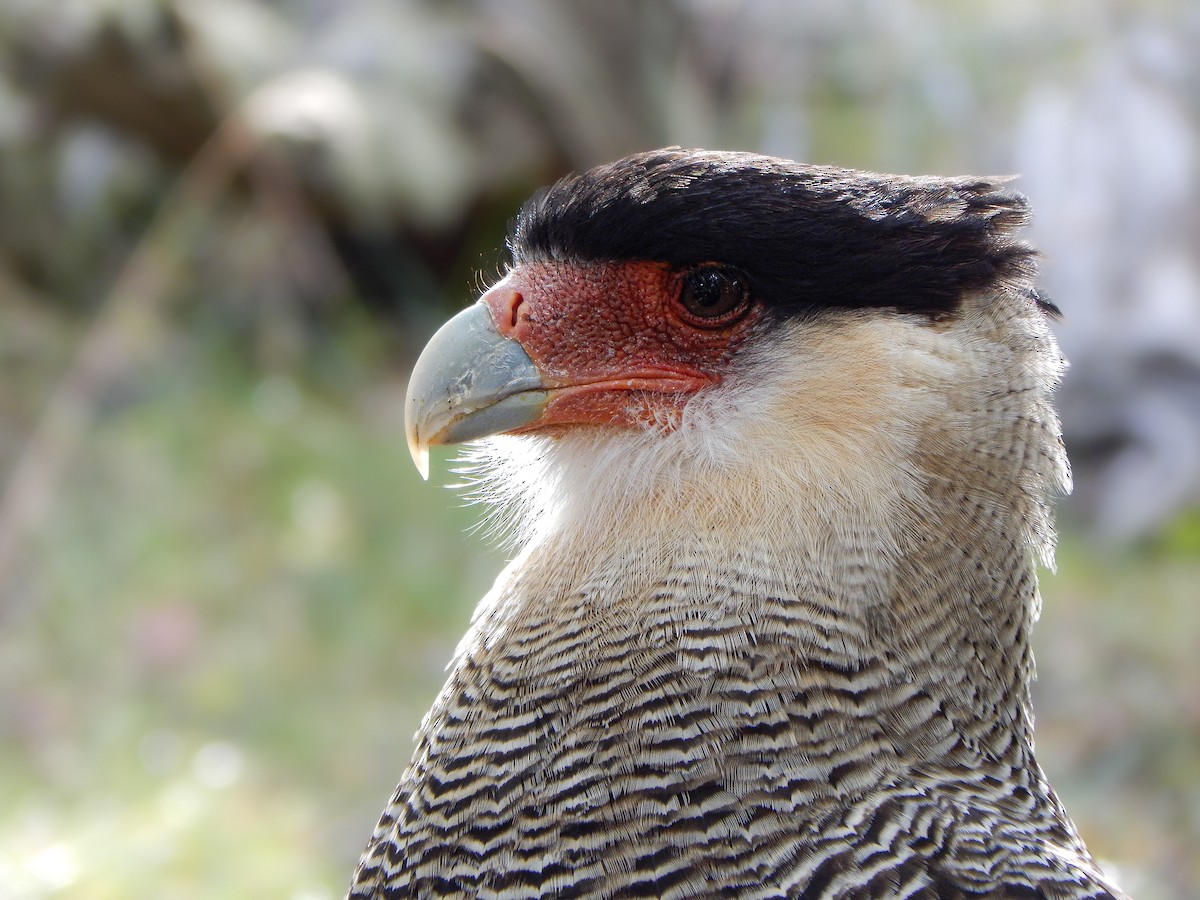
<point>1109,154</point>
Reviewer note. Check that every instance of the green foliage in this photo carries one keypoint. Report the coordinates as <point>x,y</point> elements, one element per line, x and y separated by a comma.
<point>1180,537</point>
<point>223,640</point>
<point>1118,720</point>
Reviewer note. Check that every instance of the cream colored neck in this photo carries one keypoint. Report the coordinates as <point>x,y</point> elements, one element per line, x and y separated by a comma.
<point>859,501</point>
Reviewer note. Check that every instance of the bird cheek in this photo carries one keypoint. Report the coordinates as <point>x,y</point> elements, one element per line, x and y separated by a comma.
<point>602,338</point>
<point>601,321</point>
<point>580,322</point>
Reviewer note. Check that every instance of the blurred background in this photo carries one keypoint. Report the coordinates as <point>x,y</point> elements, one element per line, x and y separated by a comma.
<point>227,226</point>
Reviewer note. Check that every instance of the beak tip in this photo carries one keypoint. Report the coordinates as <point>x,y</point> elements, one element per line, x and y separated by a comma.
<point>420,457</point>
<point>417,448</point>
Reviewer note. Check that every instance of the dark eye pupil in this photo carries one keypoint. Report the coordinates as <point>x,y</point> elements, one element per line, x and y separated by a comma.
<point>712,292</point>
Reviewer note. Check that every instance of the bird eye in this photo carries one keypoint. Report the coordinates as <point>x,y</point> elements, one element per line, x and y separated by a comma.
<point>713,295</point>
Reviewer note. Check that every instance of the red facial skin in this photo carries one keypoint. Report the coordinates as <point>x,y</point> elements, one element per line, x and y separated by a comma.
<point>613,340</point>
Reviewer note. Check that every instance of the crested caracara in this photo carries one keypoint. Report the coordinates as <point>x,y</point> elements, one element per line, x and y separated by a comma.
<point>776,447</point>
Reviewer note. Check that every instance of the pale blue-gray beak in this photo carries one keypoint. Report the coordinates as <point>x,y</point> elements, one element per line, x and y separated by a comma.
<point>469,382</point>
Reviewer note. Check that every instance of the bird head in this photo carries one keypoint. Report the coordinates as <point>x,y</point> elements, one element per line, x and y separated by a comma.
<point>680,314</point>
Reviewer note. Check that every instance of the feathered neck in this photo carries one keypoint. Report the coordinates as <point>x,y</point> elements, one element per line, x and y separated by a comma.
<point>879,487</point>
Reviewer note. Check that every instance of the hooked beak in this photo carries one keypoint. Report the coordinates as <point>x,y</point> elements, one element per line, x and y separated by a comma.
<point>469,382</point>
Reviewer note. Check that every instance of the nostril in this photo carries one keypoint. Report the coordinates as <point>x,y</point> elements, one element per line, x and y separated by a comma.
<point>515,302</point>
<point>507,307</point>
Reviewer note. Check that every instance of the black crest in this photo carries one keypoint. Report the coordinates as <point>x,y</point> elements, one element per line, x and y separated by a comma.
<point>807,237</point>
